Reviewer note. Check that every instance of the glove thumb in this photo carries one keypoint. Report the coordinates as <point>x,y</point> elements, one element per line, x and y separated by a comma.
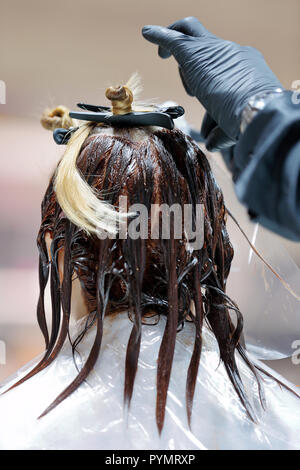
<point>163,37</point>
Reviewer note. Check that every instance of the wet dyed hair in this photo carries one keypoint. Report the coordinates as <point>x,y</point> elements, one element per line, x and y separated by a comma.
<point>146,277</point>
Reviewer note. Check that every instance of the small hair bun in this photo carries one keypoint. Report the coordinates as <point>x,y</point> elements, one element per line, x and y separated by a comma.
<point>56,118</point>
<point>121,98</point>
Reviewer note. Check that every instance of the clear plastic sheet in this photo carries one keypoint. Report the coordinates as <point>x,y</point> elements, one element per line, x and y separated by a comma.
<point>93,417</point>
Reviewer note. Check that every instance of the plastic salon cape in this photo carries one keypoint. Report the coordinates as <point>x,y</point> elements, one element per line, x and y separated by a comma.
<point>93,416</point>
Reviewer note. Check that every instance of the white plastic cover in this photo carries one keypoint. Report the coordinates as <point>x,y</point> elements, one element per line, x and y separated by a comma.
<point>93,417</point>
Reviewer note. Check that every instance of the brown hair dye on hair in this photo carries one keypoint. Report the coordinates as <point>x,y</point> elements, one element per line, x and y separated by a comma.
<point>144,276</point>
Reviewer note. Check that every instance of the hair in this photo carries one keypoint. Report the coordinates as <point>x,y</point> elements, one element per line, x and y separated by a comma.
<point>146,277</point>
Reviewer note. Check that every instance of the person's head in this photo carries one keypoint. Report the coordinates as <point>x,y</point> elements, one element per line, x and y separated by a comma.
<point>162,184</point>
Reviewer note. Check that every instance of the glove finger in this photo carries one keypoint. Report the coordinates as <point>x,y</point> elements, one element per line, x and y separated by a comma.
<point>190,26</point>
<point>164,53</point>
<point>228,157</point>
<point>218,140</point>
<point>163,37</point>
<point>208,124</point>
<point>186,87</point>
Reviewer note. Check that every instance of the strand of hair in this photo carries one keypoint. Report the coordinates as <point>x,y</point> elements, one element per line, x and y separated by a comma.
<point>258,254</point>
<point>93,355</point>
<point>167,347</point>
<point>195,360</point>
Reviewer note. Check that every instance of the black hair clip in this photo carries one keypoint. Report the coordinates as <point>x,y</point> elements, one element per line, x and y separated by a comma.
<point>162,117</point>
<point>93,107</point>
<point>62,136</point>
<point>172,111</point>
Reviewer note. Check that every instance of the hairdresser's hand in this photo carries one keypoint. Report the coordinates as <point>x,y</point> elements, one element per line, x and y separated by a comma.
<point>222,74</point>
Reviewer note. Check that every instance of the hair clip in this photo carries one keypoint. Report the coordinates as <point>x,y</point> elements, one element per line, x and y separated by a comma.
<point>161,117</point>
<point>62,136</point>
<point>120,114</point>
<point>173,111</point>
<point>93,107</point>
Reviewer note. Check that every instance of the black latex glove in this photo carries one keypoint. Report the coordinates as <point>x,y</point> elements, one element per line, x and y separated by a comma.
<point>222,74</point>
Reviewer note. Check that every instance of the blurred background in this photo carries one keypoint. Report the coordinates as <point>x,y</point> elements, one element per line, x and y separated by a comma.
<point>63,52</point>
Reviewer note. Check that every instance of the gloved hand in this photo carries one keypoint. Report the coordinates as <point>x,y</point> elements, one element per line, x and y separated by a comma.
<point>222,74</point>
